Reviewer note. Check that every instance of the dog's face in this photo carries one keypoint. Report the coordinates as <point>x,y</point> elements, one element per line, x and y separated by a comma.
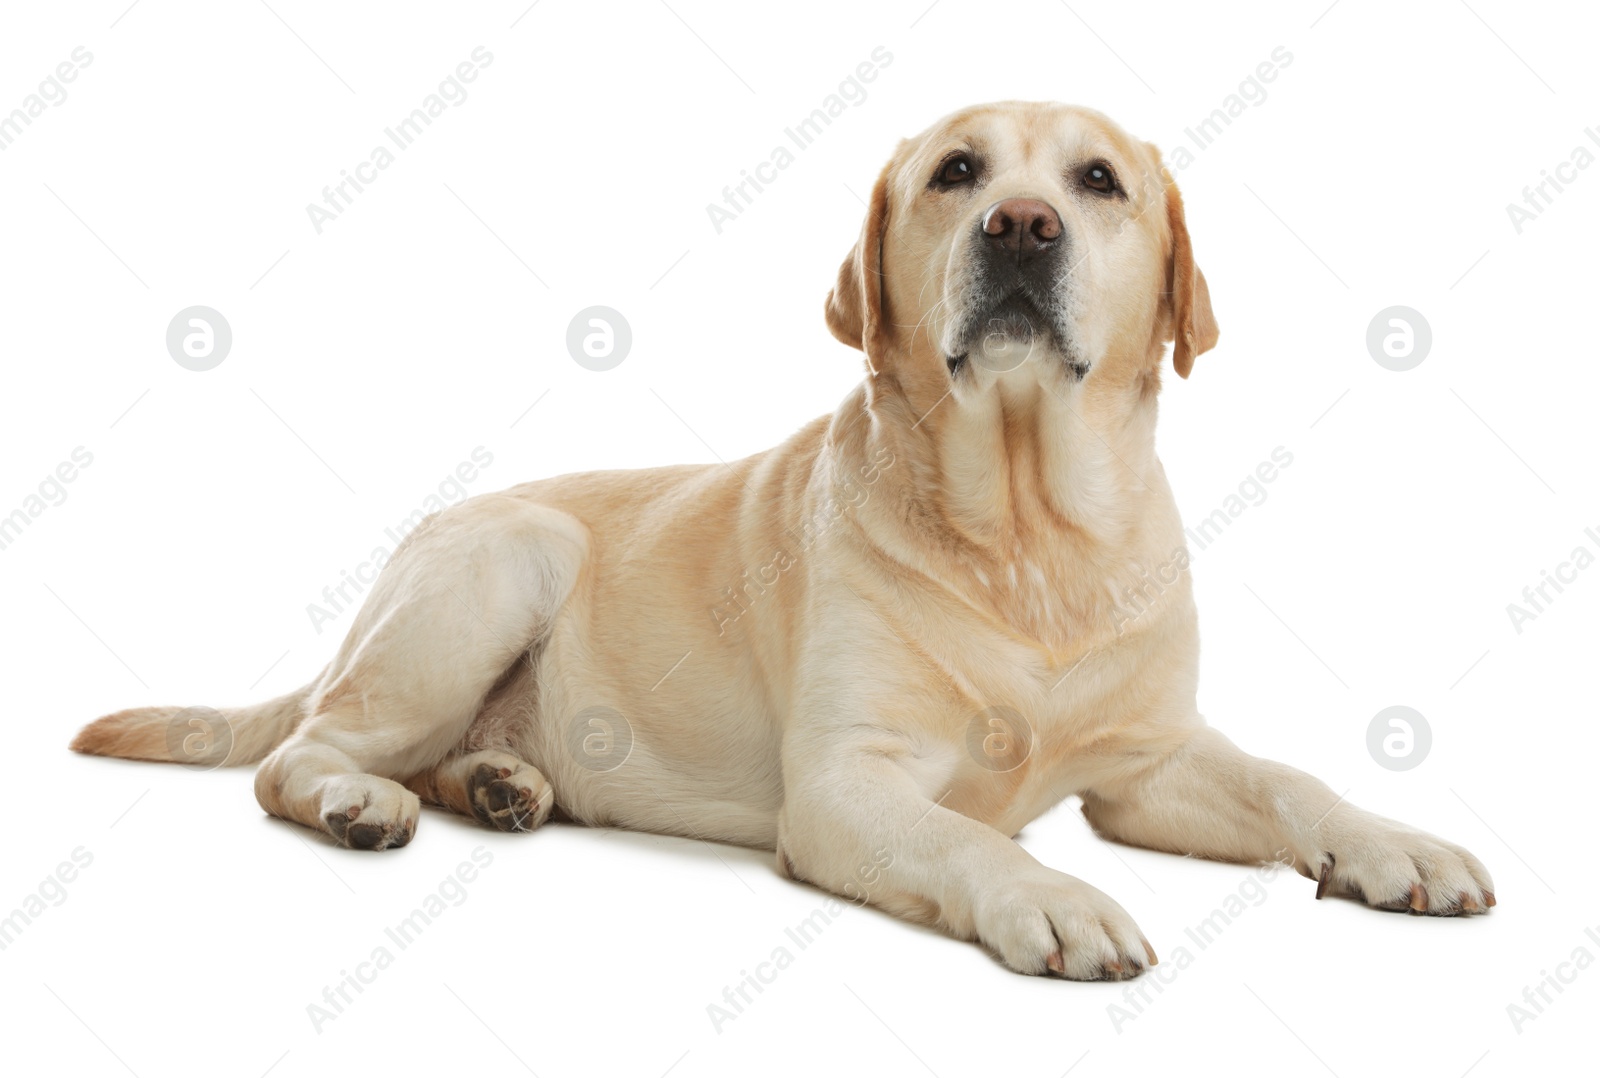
<point>1018,234</point>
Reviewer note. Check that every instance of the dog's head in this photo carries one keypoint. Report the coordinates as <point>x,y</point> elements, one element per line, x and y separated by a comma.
<point>1022,233</point>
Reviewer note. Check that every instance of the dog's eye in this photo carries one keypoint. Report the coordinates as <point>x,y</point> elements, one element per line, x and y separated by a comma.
<point>1099,177</point>
<point>957,170</point>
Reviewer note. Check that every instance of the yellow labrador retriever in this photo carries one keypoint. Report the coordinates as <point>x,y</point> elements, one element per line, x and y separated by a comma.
<point>883,647</point>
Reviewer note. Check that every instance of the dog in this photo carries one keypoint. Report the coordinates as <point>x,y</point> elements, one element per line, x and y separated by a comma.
<point>882,647</point>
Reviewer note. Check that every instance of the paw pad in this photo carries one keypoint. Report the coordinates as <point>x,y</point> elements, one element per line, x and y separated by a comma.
<point>501,802</point>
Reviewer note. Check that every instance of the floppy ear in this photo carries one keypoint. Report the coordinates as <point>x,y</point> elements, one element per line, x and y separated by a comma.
<point>1194,327</point>
<point>855,308</point>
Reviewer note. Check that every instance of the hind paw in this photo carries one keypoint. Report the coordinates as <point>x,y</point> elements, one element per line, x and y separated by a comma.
<point>509,794</point>
<point>365,812</point>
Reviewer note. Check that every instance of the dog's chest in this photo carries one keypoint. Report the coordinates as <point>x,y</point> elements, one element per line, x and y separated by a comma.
<point>1035,723</point>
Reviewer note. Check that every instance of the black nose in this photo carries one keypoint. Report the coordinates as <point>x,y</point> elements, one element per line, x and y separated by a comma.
<point>1022,227</point>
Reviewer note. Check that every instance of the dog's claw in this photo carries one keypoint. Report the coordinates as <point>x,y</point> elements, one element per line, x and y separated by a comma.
<point>1326,878</point>
<point>1419,898</point>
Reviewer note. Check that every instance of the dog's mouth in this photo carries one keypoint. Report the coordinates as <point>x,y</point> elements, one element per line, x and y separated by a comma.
<point>1003,335</point>
<point>1013,320</point>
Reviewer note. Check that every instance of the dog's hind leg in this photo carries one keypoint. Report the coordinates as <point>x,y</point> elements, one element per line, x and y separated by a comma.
<point>467,595</point>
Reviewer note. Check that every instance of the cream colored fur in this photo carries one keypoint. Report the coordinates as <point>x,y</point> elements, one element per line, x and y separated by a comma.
<point>880,648</point>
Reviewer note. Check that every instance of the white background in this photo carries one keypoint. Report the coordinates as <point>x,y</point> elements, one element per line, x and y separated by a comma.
<point>370,360</point>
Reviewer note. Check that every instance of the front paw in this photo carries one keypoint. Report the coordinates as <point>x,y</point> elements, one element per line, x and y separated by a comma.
<point>1048,923</point>
<point>1395,867</point>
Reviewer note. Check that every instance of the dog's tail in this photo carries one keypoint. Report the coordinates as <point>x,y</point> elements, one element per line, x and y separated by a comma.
<point>201,736</point>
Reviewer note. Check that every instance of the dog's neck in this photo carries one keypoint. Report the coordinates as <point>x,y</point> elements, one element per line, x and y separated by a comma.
<point>1023,494</point>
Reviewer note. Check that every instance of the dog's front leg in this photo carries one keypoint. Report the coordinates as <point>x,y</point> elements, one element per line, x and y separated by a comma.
<point>860,819</point>
<point>1210,799</point>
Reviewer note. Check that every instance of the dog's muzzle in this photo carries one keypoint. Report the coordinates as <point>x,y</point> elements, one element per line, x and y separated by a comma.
<point>1012,309</point>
